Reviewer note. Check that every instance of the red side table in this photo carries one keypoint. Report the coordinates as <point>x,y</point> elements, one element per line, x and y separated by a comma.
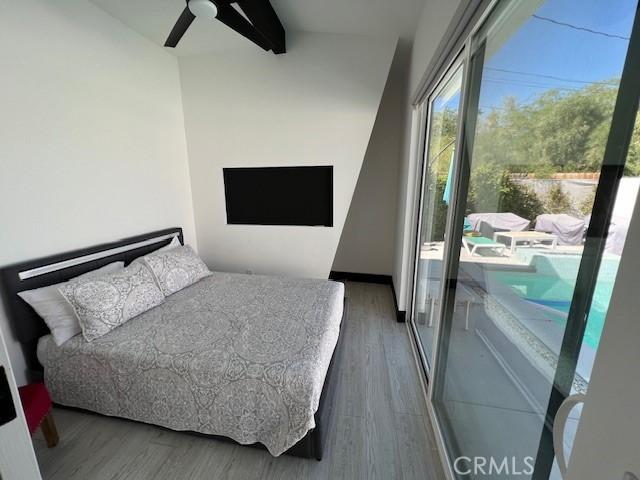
<point>36,404</point>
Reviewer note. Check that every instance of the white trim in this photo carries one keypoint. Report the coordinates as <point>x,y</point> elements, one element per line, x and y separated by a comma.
<point>422,170</point>
<point>458,58</point>
<point>54,267</point>
<point>465,57</point>
<point>465,15</point>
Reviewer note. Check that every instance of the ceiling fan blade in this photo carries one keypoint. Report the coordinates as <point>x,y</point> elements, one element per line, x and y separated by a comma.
<point>234,20</point>
<point>179,29</point>
<point>265,19</point>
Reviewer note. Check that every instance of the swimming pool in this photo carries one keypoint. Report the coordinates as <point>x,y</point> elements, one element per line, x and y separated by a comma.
<point>552,285</point>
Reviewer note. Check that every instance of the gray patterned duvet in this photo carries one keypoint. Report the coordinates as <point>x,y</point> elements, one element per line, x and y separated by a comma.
<point>243,356</point>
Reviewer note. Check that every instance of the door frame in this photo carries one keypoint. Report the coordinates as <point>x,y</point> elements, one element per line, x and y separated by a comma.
<point>462,56</point>
<point>455,53</point>
<point>424,108</point>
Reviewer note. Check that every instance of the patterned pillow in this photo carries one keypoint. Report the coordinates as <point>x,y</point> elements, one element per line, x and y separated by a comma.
<point>176,269</point>
<point>54,308</point>
<point>106,302</point>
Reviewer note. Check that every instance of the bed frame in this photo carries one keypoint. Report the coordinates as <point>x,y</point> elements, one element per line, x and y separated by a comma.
<point>27,326</point>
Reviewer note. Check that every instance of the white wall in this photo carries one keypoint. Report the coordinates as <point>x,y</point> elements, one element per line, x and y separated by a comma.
<point>608,439</point>
<point>435,18</point>
<point>366,244</point>
<point>434,21</point>
<point>92,144</point>
<point>316,105</point>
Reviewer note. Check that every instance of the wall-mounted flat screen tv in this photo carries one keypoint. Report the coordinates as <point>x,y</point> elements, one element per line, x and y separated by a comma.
<point>279,195</point>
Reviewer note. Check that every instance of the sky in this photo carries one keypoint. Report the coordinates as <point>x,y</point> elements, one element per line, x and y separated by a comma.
<point>540,49</point>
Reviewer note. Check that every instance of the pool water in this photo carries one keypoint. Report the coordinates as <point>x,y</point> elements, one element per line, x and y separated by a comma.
<point>552,285</point>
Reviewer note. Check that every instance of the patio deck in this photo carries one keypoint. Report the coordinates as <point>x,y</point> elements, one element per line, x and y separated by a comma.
<point>509,331</point>
<point>435,251</point>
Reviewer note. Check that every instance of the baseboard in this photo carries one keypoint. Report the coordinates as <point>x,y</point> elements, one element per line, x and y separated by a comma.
<point>371,278</point>
<point>360,277</point>
<point>401,315</point>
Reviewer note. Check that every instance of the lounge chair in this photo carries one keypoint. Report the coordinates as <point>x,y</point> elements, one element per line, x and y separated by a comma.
<point>473,244</point>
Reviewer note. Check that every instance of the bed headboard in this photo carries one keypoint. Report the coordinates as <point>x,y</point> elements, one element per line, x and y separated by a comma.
<point>26,324</point>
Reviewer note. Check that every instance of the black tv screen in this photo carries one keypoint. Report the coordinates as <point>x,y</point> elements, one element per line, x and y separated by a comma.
<point>279,196</point>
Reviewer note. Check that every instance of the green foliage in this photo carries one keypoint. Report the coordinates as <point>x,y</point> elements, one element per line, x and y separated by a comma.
<point>444,124</point>
<point>441,148</point>
<point>586,206</point>
<point>557,201</point>
<point>557,132</point>
<point>491,189</point>
<point>632,168</point>
<point>520,199</point>
<point>439,221</point>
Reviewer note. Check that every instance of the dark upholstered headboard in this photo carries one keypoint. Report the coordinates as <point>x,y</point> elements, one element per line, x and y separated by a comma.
<point>26,324</point>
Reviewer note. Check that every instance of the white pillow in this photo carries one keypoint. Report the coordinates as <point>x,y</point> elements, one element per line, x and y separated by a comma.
<point>174,243</point>
<point>176,269</point>
<point>55,310</point>
<point>105,302</point>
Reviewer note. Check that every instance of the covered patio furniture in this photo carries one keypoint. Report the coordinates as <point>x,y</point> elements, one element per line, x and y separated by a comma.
<point>489,223</point>
<point>473,244</point>
<point>569,230</point>
<point>616,235</point>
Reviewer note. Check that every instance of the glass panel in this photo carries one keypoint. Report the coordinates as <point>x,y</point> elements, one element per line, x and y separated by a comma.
<point>440,150</point>
<point>622,210</point>
<point>543,82</point>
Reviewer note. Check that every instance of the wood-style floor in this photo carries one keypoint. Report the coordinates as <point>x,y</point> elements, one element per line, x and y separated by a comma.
<point>381,429</point>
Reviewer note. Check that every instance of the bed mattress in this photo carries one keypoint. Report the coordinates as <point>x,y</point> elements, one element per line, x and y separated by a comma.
<point>241,356</point>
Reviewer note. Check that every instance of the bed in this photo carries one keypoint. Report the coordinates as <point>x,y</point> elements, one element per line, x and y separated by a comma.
<point>245,358</point>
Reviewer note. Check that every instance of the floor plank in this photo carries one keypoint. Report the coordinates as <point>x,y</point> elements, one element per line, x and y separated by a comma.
<point>416,463</point>
<point>381,429</point>
<point>348,453</point>
<point>403,375</point>
<point>383,456</point>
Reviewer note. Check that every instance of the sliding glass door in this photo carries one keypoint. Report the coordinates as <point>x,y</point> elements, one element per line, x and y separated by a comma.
<point>528,251</point>
<point>442,127</point>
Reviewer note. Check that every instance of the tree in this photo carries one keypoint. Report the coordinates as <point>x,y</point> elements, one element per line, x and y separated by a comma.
<point>560,131</point>
<point>586,206</point>
<point>437,209</point>
<point>632,167</point>
<point>519,199</point>
<point>491,189</point>
<point>557,200</point>
<point>557,132</point>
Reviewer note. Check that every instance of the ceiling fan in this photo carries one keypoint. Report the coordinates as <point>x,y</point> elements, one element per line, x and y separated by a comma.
<point>256,20</point>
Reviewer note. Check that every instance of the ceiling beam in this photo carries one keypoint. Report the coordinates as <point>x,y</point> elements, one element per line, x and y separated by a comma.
<point>234,20</point>
<point>265,20</point>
